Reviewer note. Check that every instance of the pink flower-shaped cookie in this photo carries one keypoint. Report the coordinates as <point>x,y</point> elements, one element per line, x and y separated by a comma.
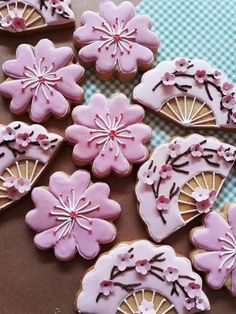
<point>42,80</point>
<point>71,215</point>
<point>217,244</point>
<point>115,39</point>
<point>109,134</point>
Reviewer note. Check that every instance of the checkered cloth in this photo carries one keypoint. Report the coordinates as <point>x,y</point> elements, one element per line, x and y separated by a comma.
<point>193,29</point>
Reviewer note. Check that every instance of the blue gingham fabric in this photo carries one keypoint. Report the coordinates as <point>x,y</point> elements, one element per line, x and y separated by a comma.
<point>202,29</point>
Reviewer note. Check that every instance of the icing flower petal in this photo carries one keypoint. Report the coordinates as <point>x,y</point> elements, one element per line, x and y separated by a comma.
<point>227,88</point>
<point>124,12</point>
<point>189,303</point>
<point>24,57</point>
<point>163,203</point>
<point>123,260</point>
<point>196,150</point>
<point>67,86</point>
<point>103,232</point>
<point>106,287</point>
<point>143,35</point>
<point>40,219</point>
<point>40,108</point>
<point>106,162</point>
<point>138,54</point>
<point>174,150</point>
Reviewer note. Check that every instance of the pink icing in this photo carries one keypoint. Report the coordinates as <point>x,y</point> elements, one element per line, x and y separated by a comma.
<point>116,38</point>
<point>218,240</point>
<point>190,78</point>
<point>106,286</point>
<point>109,134</point>
<point>42,79</point>
<point>52,12</point>
<point>158,191</point>
<point>18,142</point>
<point>72,217</point>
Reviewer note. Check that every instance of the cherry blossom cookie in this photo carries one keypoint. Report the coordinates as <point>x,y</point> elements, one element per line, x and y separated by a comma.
<point>140,278</point>
<point>71,215</point>
<point>109,134</point>
<point>42,80</point>
<point>190,93</point>
<point>19,16</point>
<point>25,151</point>
<point>180,181</point>
<point>116,41</point>
<point>216,248</point>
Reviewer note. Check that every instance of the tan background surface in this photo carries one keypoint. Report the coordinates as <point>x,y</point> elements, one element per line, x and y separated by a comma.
<point>34,282</point>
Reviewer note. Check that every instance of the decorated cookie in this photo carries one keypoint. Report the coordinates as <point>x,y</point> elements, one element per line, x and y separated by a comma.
<point>180,181</point>
<point>25,151</point>
<point>109,134</point>
<point>190,93</point>
<point>216,244</point>
<point>140,278</point>
<point>116,40</point>
<point>42,80</point>
<point>17,16</point>
<point>71,215</point>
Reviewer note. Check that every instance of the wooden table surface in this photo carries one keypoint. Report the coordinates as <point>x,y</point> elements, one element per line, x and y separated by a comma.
<point>34,282</point>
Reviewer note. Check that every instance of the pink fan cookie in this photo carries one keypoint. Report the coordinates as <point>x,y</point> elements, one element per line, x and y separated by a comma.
<point>190,93</point>
<point>25,151</point>
<point>216,248</point>
<point>109,134</point>
<point>71,215</point>
<point>141,278</point>
<point>116,40</point>
<point>19,16</point>
<point>181,181</point>
<point>42,80</point>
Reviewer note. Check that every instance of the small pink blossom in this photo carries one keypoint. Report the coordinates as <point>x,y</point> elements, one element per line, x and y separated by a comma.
<point>181,65</point>
<point>19,23</point>
<point>174,150</point>
<point>217,74</point>
<point>106,287</point>
<point>165,171</point>
<point>54,3</point>
<point>193,289</point>
<point>8,134</point>
<point>226,153</point>
<point>228,102</point>
<point>168,79</point>
<point>227,88</point>
<point>189,303</point>
<point>146,307</point>
<point>201,304</point>
<point>196,150</point>
<point>10,182</point>
<point>162,203</point>
<point>149,177</point>
<point>43,141</point>
<point>23,185</point>
<point>122,261</point>
<point>60,9</point>
<point>143,267</point>
<point>171,274</point>
<point>13,194</point>
<point>200,194</point>
<point>200,76</point>
<point>23,139</point>
<point>203,207</point>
